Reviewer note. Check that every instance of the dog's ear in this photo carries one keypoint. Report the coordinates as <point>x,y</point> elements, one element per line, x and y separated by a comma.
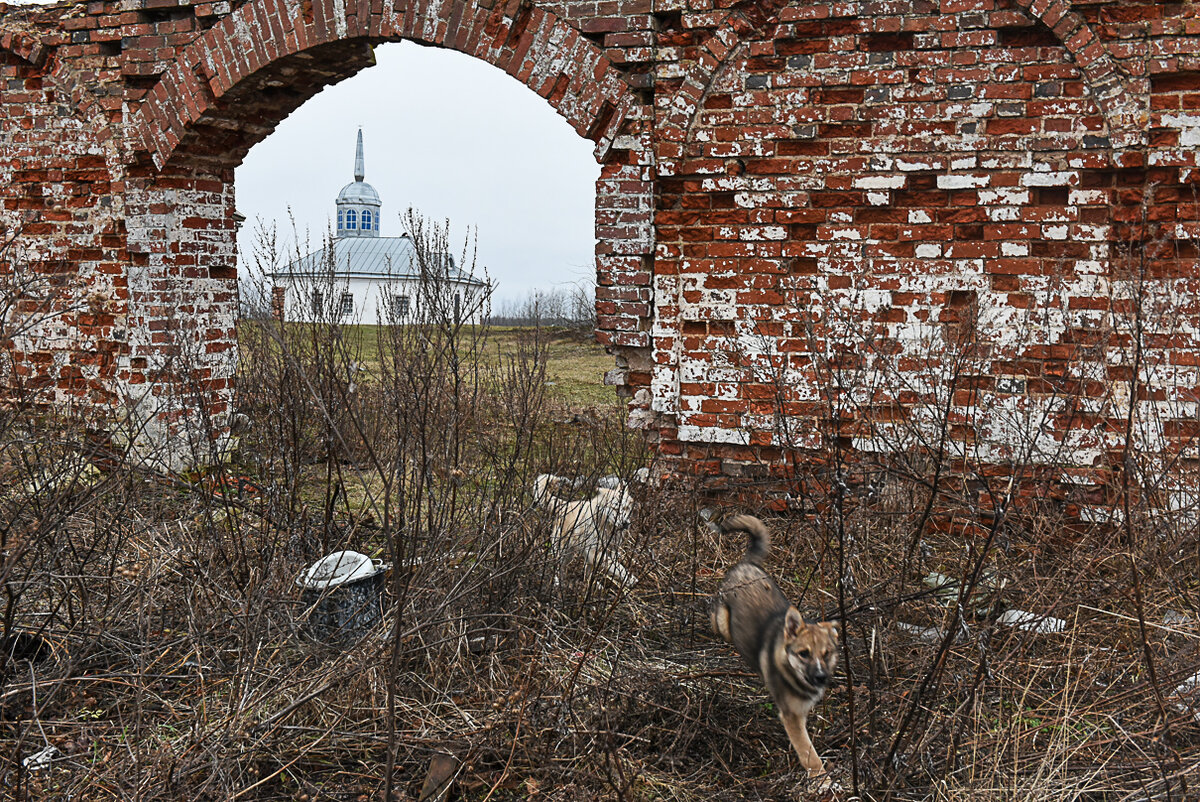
<point>792,623</point>
<point>831,627</point>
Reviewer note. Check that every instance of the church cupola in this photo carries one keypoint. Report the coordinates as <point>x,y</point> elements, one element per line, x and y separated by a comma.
<point>358,203</point>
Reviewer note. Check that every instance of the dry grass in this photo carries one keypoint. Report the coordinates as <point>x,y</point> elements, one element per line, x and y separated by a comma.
<point>183,672</point>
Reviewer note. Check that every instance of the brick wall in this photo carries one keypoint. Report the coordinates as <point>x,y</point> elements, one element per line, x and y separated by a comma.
<point>905,215</point>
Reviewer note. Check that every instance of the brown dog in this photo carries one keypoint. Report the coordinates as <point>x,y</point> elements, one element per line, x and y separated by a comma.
<point>795,659</point>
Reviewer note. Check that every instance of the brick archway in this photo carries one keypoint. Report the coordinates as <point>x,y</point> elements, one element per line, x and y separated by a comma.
<point>529,43</point>
<point>226,90</point>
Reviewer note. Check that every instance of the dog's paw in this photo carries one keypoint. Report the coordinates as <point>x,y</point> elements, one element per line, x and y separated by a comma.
<point>820,787</point>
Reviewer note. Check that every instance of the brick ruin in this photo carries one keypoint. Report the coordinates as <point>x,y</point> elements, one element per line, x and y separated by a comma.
<point>903,216</point>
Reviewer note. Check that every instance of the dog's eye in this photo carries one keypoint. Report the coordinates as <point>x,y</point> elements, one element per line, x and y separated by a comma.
<point>804,654</point>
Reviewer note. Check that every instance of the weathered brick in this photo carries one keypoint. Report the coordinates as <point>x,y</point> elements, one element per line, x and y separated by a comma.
<point>899,167</point>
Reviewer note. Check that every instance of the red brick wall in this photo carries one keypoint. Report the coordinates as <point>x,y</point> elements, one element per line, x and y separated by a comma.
<point>901,213</point>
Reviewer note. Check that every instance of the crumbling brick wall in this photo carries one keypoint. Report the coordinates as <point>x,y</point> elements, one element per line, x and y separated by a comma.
<point>953,213</point>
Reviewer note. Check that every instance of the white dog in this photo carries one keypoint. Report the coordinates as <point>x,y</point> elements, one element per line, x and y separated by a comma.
<point>592,527</point>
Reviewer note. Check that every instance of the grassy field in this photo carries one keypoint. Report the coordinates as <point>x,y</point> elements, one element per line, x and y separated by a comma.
<point>575,363</point>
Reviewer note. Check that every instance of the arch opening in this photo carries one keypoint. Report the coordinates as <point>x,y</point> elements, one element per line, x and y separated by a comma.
<point>211,107</point>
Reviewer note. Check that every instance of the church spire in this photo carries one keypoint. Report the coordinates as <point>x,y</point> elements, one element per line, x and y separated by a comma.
<point>358,203</point>
<point>359,170</point>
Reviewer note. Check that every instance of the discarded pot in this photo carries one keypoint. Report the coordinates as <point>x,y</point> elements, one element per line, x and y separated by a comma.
<point>343,593</point>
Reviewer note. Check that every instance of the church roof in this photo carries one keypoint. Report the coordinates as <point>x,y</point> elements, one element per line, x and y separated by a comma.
<point>385,257</point>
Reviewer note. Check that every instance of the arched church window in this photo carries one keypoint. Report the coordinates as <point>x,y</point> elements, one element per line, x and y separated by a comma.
<point>341,222</point>
<point>366,220</point>
<point>351,219</point>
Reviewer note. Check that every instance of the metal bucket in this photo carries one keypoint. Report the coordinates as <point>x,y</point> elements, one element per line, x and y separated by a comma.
<point>343,594</point>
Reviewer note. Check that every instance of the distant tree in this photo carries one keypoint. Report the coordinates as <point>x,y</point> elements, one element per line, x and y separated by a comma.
<point>571,307</point>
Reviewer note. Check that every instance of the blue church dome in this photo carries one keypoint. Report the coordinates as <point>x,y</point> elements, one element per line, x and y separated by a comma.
<point>358,203</point>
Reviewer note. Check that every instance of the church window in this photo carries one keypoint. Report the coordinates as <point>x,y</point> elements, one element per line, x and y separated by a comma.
<point>316,302</point>
<point>366,220</point>
<point>351,219</point>
<point>341,222</point>
<point>402,305</point>
<point>347,307</point>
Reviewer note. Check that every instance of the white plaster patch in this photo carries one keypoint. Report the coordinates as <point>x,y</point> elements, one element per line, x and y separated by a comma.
<point>1063,178</point>
<point>845,233</point>
<point>929,250</point>
<point>875,301</point>
<point>963,181</point>
<point>954,110</point>
<point>919,216</point>
<point>879,182</point>
<point>339,17</point>
<point>689,433</point>
<point>1087,197</point>
<point>1014,249</point>
<point>909,166</point>
<point>1006,196</point>
<point>1188,125</point>
<point>1089,233</point>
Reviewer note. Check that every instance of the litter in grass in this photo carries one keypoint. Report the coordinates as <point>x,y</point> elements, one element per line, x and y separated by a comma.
<point>337,569</point>
<point>40,760</point>
<point>1033,622</point>
<point>342,593</point>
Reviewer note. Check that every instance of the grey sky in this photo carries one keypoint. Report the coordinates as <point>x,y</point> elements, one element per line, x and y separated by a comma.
<point>451,136</point>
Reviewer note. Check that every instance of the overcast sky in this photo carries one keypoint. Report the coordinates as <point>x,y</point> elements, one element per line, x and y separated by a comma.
<point>451,136</point>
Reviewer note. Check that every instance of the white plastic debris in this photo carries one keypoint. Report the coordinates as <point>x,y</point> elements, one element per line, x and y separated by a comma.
<point>1188,695</point>
<point>923,634</point>
<point>337,569</point>
<point>1033,622</point>
<point>40,760</point>
<point>1174,618</point>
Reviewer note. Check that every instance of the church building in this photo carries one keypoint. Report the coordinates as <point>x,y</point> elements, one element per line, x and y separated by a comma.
<point>362,277</point>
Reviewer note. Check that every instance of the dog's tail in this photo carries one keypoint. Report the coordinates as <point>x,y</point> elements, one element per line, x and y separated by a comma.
<point>760,538</point>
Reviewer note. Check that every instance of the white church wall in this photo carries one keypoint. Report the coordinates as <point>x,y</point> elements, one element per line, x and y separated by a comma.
<point>369,300</point>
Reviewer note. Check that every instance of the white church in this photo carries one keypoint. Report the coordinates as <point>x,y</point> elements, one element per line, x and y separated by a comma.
<point>361,277</point>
